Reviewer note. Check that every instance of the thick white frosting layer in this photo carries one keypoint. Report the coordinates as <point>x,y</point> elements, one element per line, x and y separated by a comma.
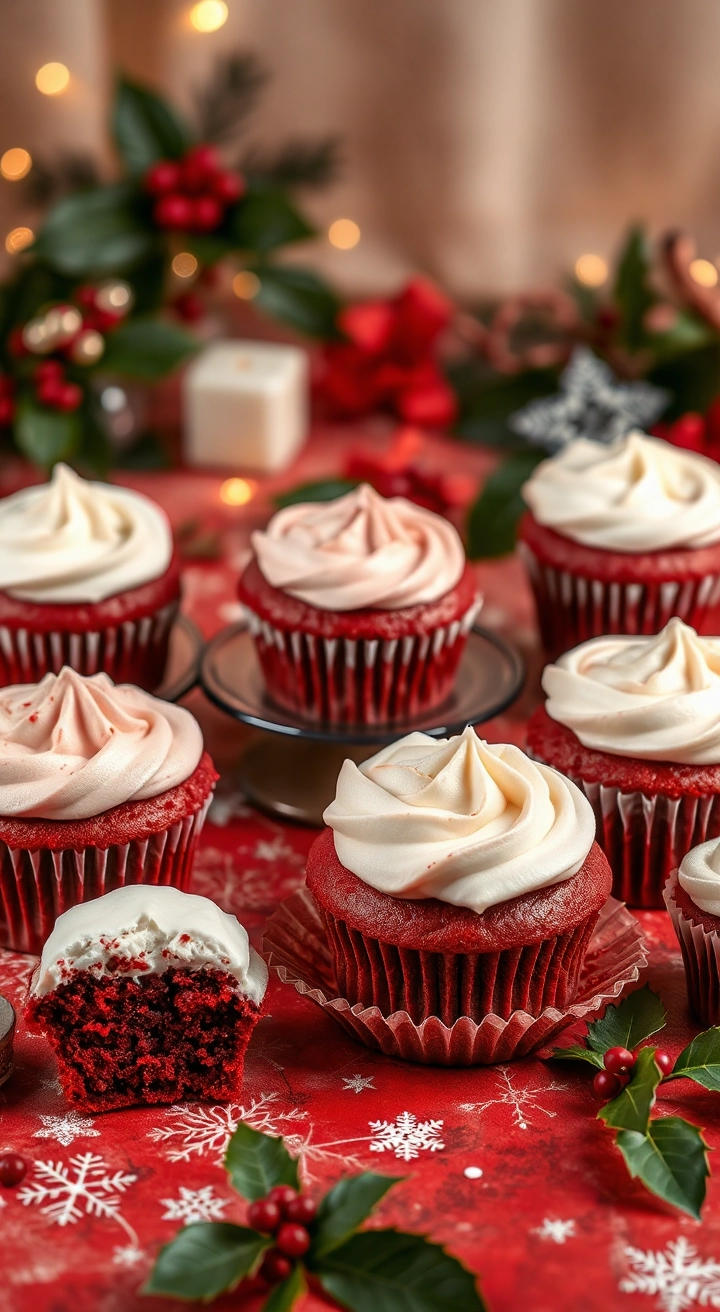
<point>74,541</point>
<point>699,875</point>
<point>655,698</point>
<point>459,819</point>
<point>360,551</point>
<point>639,494</point>
<point>143,929</point>
<point>72,747</point>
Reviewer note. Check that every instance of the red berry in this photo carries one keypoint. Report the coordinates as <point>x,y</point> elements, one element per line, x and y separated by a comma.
<point>293,1240</point>
<point>48,369</point>
<point>282,1194</point>
<point>85,296</point>
<point>173,211</point>
<point>228,187</point>
<point>190,307</point>
<point>664,1062</point>
<point>16,345</point>
<point>206,213</point>
<point>162,178</point>
<point>7,410</point>
<point>200,168</point>
<point>619,1061</point>
<point>264,1216</point>
<point>7,385</point>
<point>606,1085</point>
<point>50,390</point>
<point>71,395</point>
<point>302,1210</point>
<point>12,1169</point>
<point>275,1267</point>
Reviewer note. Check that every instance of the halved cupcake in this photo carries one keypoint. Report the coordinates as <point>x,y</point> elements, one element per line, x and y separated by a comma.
<point>360,608</point>
<point>457,878</point>
<point>692,897</point>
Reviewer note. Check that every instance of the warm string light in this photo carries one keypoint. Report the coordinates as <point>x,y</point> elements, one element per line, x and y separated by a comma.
<point>184,265</point>
<point>15,164</point>
<point>246,285</point>
<point>344,234</point>
<point>18,240</point>
<point>52,79</point>
<point>591,270</point>
<point>237,491</point>
<point>208,15</point>
<point>704,273</point>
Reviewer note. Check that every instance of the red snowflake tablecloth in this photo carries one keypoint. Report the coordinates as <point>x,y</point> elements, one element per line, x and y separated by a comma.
<point>506,1166</point>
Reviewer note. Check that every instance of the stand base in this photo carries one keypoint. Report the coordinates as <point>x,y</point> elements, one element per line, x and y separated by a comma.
<point>294,778</point>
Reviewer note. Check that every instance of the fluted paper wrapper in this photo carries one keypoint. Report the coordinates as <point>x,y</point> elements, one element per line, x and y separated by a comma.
<point>295,945</point>
<point>701,957</point>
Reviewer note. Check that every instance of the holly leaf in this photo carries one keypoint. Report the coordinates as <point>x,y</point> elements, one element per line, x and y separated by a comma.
<point>205,1259</point>
<point>266,219</point>
<point>298,297</point>
<point>345,1207</point>
<point>631,1109</point>
<point>146,348</point>
<point>327,489</point>
<point>283,1296</point>
<point>627,1023</point>
<point>578,1053</point>
<point>671,1160</point>
<point>700,1061</point>
<point>387,1271</point>
<point>633,293</point>
<point>691,377</point>
<point>494,516</point>
<point>257,1162</point>
<point>97,232</point>
<point>46,436</point>
<point>145,128</point>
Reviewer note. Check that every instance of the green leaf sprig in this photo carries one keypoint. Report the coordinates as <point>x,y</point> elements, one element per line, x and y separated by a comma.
<point>360,1270</point>
<point>668,1155</point>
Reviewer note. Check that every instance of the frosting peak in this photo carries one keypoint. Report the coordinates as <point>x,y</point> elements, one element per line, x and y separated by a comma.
<point>655,698</point>
<point>360,551</point>
<point>74,541</point>
<point>73,747</point>
<point>699,875</point>
<point>638,494</point>
<point>458,819</point>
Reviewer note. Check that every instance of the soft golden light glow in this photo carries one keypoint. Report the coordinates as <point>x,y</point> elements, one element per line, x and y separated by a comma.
<point>592,270</point>
<point>15,164</point>
<point>246,285</point>
<point>88,347</point>
<point>18,239</point>
<point>115,296</point>
<point>52,79</point>
<point>184,265</point>
<point>344,234</point>
<point>237,491</point>
<point>704,273</point>
<point>208,15</point>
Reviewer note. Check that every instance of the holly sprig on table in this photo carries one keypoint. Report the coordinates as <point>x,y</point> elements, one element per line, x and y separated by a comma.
<point>669,1154</point>
<point>292,1240</point>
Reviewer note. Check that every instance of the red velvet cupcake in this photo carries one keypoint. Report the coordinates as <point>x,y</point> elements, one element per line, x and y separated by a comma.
<point>100,786</point>
<point>620,538</point>
<point>692,897</point>
<point>147,995</point>
<point>360,608</point>
<point>457,878</point>
<point>89,579</point>
<point>635,723</point>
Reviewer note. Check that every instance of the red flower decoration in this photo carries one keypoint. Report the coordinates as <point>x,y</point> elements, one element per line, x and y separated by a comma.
<point>400,470</point>
<point>695,432</point>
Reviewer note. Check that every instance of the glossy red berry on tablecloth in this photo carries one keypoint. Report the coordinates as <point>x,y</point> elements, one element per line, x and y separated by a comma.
<point>619,1061</point>
<point>207,213</point>
<point>162,178</point>
<point>606,1085</point>
<point>70,397</point>
<point>293,1240</point>
<point>282,1194</point>
<point>174,211</point>
<point>302,1210</point>
<point>275,1267</point>
<point>264,1215</point>
<point>664,1062</point>
<point>229,187</point>
<point>13,1168</point>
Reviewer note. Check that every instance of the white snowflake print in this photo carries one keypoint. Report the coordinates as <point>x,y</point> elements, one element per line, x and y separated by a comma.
<point>128,1256</point>
<point>194,1205</point>
<point>204,1131</point>
<point>356,1083</point>
<point>226,807</point>
<point>523,1101</point>
<point>558,1231</point>
<point>677,1277</point>
<point>277,849</point>
<point>83,1188</point>
<point>229,880</point>
<point>65,1129</point>
<point>406,1136</point>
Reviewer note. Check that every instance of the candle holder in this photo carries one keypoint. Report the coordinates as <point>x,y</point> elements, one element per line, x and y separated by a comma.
<point>292,770</point>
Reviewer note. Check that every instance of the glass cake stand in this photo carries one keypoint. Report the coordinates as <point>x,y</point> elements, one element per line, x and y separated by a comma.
<point>292,770</point>
<point>183,662</point>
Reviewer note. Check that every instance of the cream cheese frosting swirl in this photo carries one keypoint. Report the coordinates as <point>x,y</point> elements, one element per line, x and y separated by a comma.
<point>360,551</point>
<point>458,819</point>
<point>639,494</point>
<point>699,875</point>
<point>74,541</point>
<point>72,747</point>
<point>656,698</point>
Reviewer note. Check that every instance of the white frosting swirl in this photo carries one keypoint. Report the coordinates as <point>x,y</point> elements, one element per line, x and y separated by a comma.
<point>73,541</point>
<point>459,819</point>
<point>360,550</point>
<point>699,875</point>
<point>656,698</point>
<point>73,747</point>
<point>638,494</point>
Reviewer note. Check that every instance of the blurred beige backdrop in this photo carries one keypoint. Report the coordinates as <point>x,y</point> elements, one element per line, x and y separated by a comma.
<point>486,142</point>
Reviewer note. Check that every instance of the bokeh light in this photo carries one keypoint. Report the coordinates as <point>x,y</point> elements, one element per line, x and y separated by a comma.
<point>246,285</point>
<point>15,164</point>
<point>344,234</point>
<point>704,273</point>
<point>184,264</point>
<point>52,79</point>
<point>208,15</point>
<point>18,239</point>
<point>591,270</point>
<point>237,491</point>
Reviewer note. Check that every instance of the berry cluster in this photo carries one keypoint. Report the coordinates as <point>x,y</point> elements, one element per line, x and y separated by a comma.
<point>53,389</point>
<point>12,1169</point>
<point>192,194</point>
<point>285,1214</point>
<point>619,1064</point>
<point>7,400</point>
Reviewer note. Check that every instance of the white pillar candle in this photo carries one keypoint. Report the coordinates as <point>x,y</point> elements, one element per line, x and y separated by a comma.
<point>246,406</point>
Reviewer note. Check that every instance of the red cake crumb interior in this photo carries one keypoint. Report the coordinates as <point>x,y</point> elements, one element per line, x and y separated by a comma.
<point>171,1037</point>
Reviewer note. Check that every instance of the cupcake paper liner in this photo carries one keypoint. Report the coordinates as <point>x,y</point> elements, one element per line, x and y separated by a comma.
<point>296,946</point>
<point>360,681</point>
<point>37,886</point>
<point>134,651</point>
<point>572,608</point>
<point>701,957</point>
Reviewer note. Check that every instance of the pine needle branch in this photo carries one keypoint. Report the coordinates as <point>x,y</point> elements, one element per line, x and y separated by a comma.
<point>229,96</point>
<point>299,163</point>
